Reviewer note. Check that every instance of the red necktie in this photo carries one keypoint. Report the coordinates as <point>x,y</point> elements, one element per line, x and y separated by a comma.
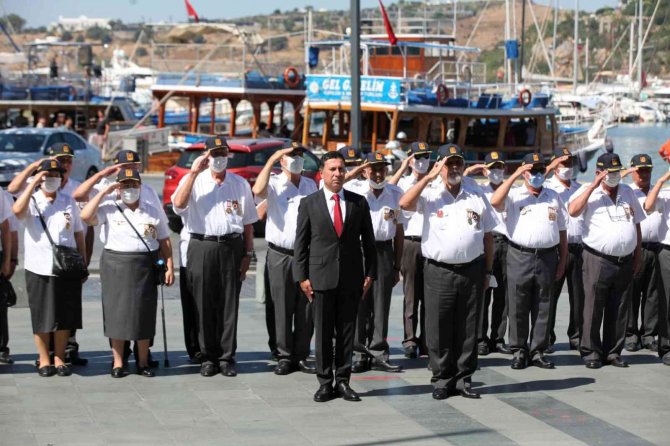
<point>337,216</point>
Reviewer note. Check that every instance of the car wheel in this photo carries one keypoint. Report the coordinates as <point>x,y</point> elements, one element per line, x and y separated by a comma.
<point>91,171</point>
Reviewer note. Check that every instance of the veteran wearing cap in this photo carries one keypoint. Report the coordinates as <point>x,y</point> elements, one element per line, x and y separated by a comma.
<point>354,162</point>
<point>563,182</point>
<point>55,302</point>
<point>292,311</point>
<point>411,267</point>
<point>371,350</point>
<point>457,244</point>
<point>136,237</point>
<point>536,256</point>
<point>612,241</point>
<point>219,210</point>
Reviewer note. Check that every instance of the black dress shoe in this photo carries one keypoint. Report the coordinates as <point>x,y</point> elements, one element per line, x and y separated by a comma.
<point>385,366</point>
<point>347,393</point>
<point>325,393</point>
<point>632,346</point>
<point>549,350</point>
<point>519,363</point>
<point>440,393</point>
<point>410,352</point>
<point>5,358</point>
<point>483,350</point>
<point>283,367</point>
<point>593,364</point>
<point>146,372</point>
<point>196,358</point>
<point>208,369</point>
<point>359,366</point>
<point>63,370</point>
<point>46,371</point>
<point>117,372</point>
<point>574,346</point>
<point>666,359</point>
<point>75,359</point>
<point>274,355</point>
<point>653,346</point>
<point>542,363</point>
<point>153,364</point>
<point>304,367</point>
<point>469,393</point>
<point>228,369</point>
<point>502,348</point>
<point>618,362</point>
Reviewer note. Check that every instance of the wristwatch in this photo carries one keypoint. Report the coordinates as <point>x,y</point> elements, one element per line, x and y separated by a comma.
<point>249,253</point>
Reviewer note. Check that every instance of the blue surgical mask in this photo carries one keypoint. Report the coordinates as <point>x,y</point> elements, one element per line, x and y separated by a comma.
<point>536,180</point>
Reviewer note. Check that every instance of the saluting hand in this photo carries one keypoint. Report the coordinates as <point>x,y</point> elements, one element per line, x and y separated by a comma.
<point>281,152</point>
<point>625,173</point>
<point>556,161</point>
<point>200,164</point>
<point>38,179</point>
<point>405,163</point>
<point>435,171</point>
<point>475,169</point>
<point>110,170</point>
<point>112,187</point>
<point>521,170</point>
<point>306,287</point>
<point>598,179</point>
<point>367,283</point>
<point>665,177</point>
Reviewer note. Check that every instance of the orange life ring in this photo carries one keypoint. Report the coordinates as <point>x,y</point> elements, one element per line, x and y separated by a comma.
<point>442,94</point>
<point>664,151</point>
<point>525,96</point>
<point>291,77</point>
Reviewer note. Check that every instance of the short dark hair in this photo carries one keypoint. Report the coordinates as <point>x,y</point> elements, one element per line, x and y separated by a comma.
<point>333,154</point>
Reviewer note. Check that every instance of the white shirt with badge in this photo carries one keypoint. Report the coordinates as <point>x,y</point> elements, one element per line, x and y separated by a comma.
<point>218,209</point>
<point>412,221</point>
<point>650,226</point>
<point>501,217</point>
<point>283,200</point>
<point>662,208</point>
<point>385,211</point>
<point>454,227</point>
<point>609,227</point>
<point>147,220</point>
<point>575,224</point>
<point>534,222</point>
<point>62,219</point>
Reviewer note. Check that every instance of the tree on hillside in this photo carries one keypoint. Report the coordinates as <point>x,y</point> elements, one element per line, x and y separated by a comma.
<point>66,36</point>
<point>16,22</point>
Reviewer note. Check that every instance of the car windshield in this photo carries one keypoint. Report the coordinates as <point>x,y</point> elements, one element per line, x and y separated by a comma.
<point>25,143</point>
<point>186,159</point>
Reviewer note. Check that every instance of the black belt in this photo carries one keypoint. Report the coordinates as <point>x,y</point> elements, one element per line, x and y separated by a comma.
<point>572,247</point>
<point>288,252</point>
<point>531,250</point>
<point>499,237</point>
<point>613,259</point>
<point>382,243</point>
<point>217,238</point>
<point>652,246</point>
<point>665,246</point>
<point>453,266</point>
<point>413,238</point>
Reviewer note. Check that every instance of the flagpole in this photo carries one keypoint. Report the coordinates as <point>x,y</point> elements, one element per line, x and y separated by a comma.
<point>356,121</point>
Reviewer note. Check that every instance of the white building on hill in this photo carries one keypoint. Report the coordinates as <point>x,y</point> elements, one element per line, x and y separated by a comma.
<point>81,23</point>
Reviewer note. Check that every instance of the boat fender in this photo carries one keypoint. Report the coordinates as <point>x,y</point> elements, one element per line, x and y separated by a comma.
<point>582,161</point>
<point>291,77</point>
<point>525,96</point>
<point>442,94</point>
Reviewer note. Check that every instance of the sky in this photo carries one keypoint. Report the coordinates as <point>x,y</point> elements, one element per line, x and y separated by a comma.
<point>44,12</point>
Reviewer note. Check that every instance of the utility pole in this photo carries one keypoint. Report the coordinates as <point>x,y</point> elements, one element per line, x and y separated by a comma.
<point>639,47</point>
<point>523,37</point>
<point>355,122</point>
<point>553,52</point>
<point>575,57</point>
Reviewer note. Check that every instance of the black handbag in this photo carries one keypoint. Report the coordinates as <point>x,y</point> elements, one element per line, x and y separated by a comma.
<point>67,262</point>
<point>7,293</point>
<point>159,265</point>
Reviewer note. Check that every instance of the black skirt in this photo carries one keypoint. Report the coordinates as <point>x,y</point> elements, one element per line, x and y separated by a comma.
<point>55,304</point>
<point>129,294</point>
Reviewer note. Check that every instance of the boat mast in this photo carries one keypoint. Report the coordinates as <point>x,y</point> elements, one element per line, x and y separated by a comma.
<point>575,57</point>
<point>639,47</point>
<point>553,52</point>
<point>523,37</point>
<point>355,121</point>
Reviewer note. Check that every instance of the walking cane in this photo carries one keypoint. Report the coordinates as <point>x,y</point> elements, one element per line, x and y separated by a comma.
<point>166,361</point>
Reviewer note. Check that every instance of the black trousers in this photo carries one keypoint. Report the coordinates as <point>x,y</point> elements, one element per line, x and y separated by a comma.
<point>269,312</point>
<point>496,298</point>
<point>644,293</point>
<point>664,304</point>
<point>292,311</point>
<point>189,314</point>
<point>214,275</point>
<point>605,305</point>
<point>335,317</point>
<point>573,274</point>
<point>453,297</point>
<point>530,279</point>
<point>414,318</point>
<point>4,329</point>
<point>372,321</point>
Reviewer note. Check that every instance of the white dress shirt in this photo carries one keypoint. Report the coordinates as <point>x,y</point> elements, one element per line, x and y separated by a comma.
<point>663,208</point>
<point>412,221</point>
<point>331,203</point>
<point>385,211</point>
<point>120,236</point>
<point>650,226</point>
<point>62,219</point>
<point>184,238</point>
<point>6,202</point>
<point>535,222</point>
<point>575,224</point>
<point>501,217</point>
<point>609,227</point>
<point>283,200</point>
<point>218,209</point>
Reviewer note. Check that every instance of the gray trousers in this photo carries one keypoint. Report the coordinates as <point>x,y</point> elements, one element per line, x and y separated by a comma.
<point>372,321</point>
<point>530,280</point>
<point>292,311</point>
<point>453,297</point>
<point>573,274</point>
<point>664,304</point>
<point>605,305</point>
<point>214,275</point>
<point>496,298</point>
<point>643,296</point>
<point>414,318</point>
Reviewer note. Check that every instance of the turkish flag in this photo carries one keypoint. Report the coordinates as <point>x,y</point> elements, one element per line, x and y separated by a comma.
<point>387,25</point>
<point>191,12</point>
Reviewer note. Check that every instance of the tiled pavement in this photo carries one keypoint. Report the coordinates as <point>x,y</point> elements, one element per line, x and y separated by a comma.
<point>569,405</point>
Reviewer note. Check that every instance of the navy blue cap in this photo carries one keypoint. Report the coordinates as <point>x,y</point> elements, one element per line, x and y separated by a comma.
<point>609,161</point>
<point>418,148</point>
<point>49,165</point>
<point>298,149</point>
<point>128,174</point>
<point>641,160</point>
<point>60,149</point>
<point>350,155</point>
<point>535,159</point>
<point>126,156</point>
<point>448,151</point>
<point>375,158</point>
<point>559,152</point>
<point>216,142</point>
<point>493,158</point>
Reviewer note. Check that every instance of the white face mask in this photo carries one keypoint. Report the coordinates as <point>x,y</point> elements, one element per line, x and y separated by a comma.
<point>496,176</point>
<point>294,164</point>
<point>612,179</point>
<point>376,185</point>
<point>218,164</point>
<point>454,179</point>
<point>421,165</point>
<point>51,184</point>
<point>130,196</point>
<point>565,173</point>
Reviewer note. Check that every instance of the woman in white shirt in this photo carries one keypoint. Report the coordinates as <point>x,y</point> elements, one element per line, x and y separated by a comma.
<point>136,239</point>
<point>55,303</point>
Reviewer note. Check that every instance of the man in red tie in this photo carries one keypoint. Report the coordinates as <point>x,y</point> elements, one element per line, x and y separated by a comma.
<point>333,225</point>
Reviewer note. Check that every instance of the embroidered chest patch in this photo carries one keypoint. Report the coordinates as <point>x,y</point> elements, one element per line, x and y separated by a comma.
<point>474,218</point>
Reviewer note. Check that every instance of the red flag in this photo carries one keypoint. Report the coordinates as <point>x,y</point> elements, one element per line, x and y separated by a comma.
<point>191,12</point>
<point>387,25</point>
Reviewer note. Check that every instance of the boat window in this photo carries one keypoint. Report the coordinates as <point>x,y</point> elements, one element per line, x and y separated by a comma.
<point>406,125</point>
<point>20,143</point>
<point>115,114</point>
<point>482,133</point>
<point>381,51</point>
<point>521,132</point>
